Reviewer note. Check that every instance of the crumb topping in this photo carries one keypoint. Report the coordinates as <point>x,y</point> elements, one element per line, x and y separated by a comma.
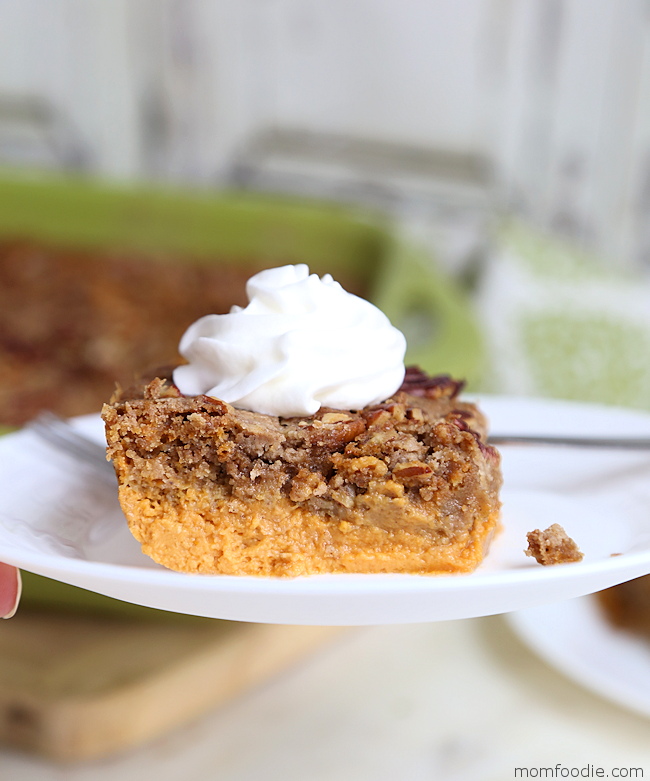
<point>430,447</point>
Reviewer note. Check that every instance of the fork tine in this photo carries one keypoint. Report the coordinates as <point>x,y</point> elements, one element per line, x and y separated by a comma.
<point>59,433</point>
<point>613,443</point>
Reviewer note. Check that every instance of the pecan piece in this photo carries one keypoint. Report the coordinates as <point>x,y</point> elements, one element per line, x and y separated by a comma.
<point>335,417</point>
<point>377,416</point>
<point>333,433</point>
<point>419,383</point>
<point>412,469</point>
<point>359,471</point>
<point>412,472</point>
<point>489,451</point>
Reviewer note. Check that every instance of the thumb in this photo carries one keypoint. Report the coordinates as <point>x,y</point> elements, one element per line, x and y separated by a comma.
<point>10,588</point>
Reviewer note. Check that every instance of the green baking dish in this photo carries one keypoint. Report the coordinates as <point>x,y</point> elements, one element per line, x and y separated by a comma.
<point>401,279</point>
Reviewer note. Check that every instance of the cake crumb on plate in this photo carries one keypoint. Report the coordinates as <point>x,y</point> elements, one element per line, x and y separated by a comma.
<point>552,546</point>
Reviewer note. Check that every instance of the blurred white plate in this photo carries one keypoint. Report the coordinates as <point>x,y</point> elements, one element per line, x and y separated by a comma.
<point>57,520</point>
<point>575,638</point>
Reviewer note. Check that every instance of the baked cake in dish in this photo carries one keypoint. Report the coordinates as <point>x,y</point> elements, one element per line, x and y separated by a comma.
<point>74,320</point>
<point>405,485</point>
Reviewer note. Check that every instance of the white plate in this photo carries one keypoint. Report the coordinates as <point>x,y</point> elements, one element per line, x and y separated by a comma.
<point>60,522</point>
<point>575,638</point>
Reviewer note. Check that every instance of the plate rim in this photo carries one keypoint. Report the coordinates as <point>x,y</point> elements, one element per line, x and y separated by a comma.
<point>359,585</point>
<point>569,661</point>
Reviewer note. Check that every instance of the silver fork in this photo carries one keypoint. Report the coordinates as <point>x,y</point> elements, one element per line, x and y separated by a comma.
<point>62,435</point>
<point>613,443</point>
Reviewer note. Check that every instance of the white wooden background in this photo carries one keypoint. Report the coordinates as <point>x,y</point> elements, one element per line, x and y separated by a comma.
<point>555,93</point>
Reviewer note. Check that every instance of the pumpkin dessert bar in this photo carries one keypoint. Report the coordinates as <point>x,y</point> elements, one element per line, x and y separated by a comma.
<point>408,485</point>
<point>627,606</point>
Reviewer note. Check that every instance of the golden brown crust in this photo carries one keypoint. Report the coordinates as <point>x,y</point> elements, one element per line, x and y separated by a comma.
<point>404,486</point>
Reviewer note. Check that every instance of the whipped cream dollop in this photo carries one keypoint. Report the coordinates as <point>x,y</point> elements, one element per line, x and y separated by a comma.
<point>302,342</point>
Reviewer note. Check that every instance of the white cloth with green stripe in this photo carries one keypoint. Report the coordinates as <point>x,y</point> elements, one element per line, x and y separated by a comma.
<point>559,323</point>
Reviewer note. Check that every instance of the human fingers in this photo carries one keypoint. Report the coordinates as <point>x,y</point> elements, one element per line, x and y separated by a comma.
<point>10,588</point>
